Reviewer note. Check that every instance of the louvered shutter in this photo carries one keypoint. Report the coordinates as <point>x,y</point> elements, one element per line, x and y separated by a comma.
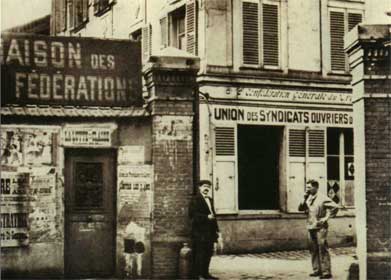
<point>145,40</point>
<point>63,15</point>
<point>224,183</point>
<point>316,143</point>
<point>96,6</point>
<point>191,27</point>
<point>270,23</point>
<point>164,32</point>
<point>250,25</point>
<point>225,141</point>
<point>85,10</point>
<point>337,33</point>
<point>353,20</point>
<point>57,16</point>
<point>296,143</point>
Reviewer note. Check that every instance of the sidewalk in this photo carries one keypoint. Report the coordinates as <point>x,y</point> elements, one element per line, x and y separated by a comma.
<point>279,265</point>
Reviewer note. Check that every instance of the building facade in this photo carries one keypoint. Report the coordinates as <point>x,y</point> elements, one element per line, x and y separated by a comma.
<point>369,47</point>
<point>275,102</point>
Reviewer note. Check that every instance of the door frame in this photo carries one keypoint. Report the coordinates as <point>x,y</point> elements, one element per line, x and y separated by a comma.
<point>109,152</point>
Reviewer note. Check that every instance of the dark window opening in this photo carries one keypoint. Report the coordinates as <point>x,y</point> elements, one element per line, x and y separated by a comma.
<point>258,164</point>
<point>178,29</point>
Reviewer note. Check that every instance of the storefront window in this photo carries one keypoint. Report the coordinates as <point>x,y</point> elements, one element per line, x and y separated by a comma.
<point>340,166</point>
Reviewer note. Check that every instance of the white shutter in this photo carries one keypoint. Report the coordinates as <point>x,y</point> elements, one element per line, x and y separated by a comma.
<point>353,20</point>
<point>145,42</point>
<point>271,35</point>
<point>191,27</point>
<point>63,15</point>
<point>224,185</point>
<point>225,141</point>
<point>306,160</point>
<point>337,33</point>
<point>164,32</point>
<point>250,35</point>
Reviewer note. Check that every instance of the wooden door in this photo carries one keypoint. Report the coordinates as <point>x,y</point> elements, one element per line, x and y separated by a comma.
<point>89,213</point>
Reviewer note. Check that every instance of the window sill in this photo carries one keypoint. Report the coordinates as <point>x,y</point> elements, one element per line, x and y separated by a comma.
<point>103,11</point>
<point>79,27</point>
<point>264,69</point>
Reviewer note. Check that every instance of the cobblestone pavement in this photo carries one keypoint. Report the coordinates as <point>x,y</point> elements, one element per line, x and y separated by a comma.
<point>279,265</point>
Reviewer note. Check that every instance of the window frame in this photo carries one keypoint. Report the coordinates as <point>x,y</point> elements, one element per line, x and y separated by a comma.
<point>261,64</point>
<point>102,9</point>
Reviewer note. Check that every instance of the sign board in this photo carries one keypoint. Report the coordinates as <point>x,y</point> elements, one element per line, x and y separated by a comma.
<point>131,154</point>
<point>86,136</point>
<point>266,115</point>
<point>69,71</point>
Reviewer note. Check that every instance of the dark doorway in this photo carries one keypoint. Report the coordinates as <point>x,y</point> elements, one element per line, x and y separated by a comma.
<point>89,213</point>
<point>258,162</point>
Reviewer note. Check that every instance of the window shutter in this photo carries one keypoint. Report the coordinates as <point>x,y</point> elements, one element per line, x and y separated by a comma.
<point>57,16</point>
<point>85,10</point>
<point>164,32</point>
<point>316,143</point>
<point>145,41</point>
<point>191,27</point>
<point>250,23</point>
<point>63,15</point>
<point>337,32</point>
<point>71,13</point>
<point>225,141</point>
<point>96,6</point>
<point>297,143</point>
<point>271,44</point>
<point>353,20</point>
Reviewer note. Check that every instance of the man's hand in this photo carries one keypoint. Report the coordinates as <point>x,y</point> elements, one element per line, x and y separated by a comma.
<point>322,221</point>
<point>211,216</point>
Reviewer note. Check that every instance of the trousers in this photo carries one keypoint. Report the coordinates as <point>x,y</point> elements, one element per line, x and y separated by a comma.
<point>202,255</point>
<point>319,249</point>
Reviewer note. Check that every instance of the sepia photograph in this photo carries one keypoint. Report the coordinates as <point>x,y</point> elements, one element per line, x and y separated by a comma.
<point>195,139</point>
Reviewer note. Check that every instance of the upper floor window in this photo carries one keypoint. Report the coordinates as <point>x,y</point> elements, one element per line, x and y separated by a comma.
<point>261,34</point>
<point>179,28</point>
<point>76,13</point>
<point>101,6</point>
<point>341,22</point>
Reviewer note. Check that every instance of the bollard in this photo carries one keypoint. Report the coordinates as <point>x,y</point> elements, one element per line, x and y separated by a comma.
<point>184,269</point>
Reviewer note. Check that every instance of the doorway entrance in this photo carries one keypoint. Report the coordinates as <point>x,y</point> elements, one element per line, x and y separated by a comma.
<point>89,213</point>
<point>258,166</point>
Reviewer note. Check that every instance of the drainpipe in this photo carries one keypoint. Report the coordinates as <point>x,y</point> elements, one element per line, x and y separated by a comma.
<point>306,133</point>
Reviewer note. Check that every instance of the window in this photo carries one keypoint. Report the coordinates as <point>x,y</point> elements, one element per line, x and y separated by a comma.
<point>261,34</point>
<point>179,28</point>
<point>76,13</point>
<point>340,166</point>
<point>341,22</point>
<point>102,6</point>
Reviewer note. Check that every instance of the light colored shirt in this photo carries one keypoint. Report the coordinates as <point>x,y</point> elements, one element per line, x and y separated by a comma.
<point>207,200</point>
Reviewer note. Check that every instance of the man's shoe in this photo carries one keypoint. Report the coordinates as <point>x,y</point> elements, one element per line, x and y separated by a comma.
<point>326,276</point>
<point>315,274</point>
<point>212,277</point>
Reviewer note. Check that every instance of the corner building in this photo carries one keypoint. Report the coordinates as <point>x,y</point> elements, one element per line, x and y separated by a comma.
<point>275,102</point>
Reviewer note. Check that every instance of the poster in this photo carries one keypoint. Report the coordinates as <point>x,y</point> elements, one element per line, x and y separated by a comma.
<point>130,154</point>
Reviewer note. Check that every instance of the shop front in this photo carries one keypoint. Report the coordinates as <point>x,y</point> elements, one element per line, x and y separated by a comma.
<point>77,176</point>
<point>260,145</point>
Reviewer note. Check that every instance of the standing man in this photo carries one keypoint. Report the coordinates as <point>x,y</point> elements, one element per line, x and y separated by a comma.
<point>319,209</point>
<point>204,229</point>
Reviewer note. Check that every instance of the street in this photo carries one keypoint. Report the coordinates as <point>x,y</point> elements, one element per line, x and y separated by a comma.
<point>278,265</point>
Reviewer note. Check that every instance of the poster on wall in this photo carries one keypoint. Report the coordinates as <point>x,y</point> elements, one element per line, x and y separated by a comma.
<point>134,191</point>
<point>15,208</point>
<point>131,154</point>
<point>26,147</point>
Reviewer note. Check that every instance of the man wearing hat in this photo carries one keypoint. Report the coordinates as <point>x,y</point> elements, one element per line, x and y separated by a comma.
<point>204,229</point>
<point>319,209</point>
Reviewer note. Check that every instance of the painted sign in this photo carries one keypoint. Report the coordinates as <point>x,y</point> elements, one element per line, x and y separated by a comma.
<point>86,136</point>
<point>279,94</point>
<point>69,71</point>
<point>257,115</point>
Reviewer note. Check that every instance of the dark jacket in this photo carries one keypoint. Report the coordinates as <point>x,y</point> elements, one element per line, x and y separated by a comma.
<point>203,229</point>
